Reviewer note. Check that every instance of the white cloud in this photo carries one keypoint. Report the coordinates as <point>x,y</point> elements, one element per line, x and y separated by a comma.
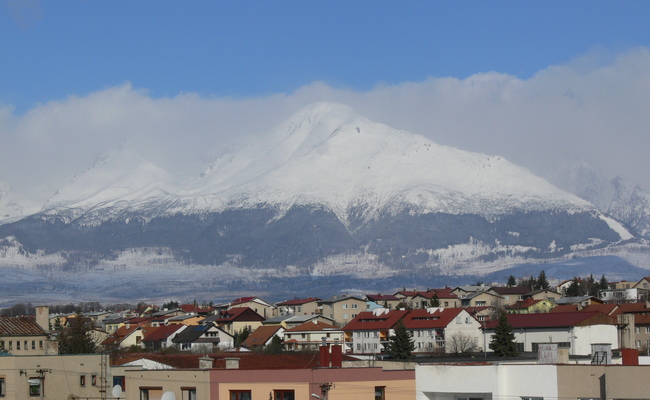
<point>594,107</point>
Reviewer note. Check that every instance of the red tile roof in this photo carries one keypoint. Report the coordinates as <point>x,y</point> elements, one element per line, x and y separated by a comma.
<point>160,333</point>
<point>609,309</point>
<point>238,314</point>
<point>382,297</point>
<point>20,326</point>
<point>189,308</point>
<point>369,321</point>
<point>554,320</point>
<point>261,335</point>
<point>422,319</point>
<point>247,360</point>
<point>524,303</point>
<point>242,300</point>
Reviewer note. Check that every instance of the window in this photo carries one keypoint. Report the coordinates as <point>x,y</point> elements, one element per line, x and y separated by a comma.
<point>120,380</point>
<point>17,344</point>
<point>33,344</point>
<point>458,320</point>
<point>82,380</point>
<point>2,387</point>
<point>40,344</point>
<point>188,393</point>
<point>345,306</point>
<point>637,330</point>
<point>93,380</point>
<point>380,392</point>
<point>647,329</point>
<point>345,316</point>
<point>34,386</point>
<point>240,395</point>
<point>355,306</point>
<point>283,395</point>
<point>11,345</point>
<point>147,393</point>
<point>299,309</point>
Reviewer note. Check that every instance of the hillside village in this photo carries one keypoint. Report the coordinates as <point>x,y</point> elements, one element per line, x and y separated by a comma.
<point>335,348</point>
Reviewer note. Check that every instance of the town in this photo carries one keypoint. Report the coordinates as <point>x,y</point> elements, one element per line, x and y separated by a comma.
<point>404,345</point>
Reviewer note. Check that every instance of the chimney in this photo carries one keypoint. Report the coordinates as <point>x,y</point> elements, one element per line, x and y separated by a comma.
<point>43,317</point>
<point>630,356</point>
<point>337,355</point>
<point>232,363</point>
<point>324,351</point>
<point>205,362</point>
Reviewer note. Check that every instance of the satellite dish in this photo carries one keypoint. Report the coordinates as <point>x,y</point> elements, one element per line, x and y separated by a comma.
<point>117,391</point>
<point>168,396</point>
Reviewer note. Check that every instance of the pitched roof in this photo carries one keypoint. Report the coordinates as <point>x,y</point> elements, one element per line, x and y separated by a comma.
<point>297,302</point>
<point>504,290</point>
<point>609,309</point>
<point>553,320</point>
<point>161,333</point>
<point>236,314</point>
<point>336,299</point>
<point>261,335</point>
<point>188,308</point>
<point>382,297</point>
<point>431,318</point>
<point>191,333</point>
<point>313,326</point>
<point>633,308</point>
<point>528,302</point>
<point>375,320</point>
<point>20,326</point>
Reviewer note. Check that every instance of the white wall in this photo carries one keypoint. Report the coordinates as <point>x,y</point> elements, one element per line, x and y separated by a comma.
<point>492,382</point>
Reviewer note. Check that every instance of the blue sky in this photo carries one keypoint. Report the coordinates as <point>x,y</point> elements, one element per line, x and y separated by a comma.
<point>255,48</point>
<point>525,80</point>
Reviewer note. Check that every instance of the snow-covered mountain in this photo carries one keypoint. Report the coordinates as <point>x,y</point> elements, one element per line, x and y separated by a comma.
<point>11,205</point>
<point>618,197</point>
<point>326,155</point>
<point>326,192</point>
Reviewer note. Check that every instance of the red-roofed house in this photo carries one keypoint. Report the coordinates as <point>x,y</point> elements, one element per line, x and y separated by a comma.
<point>262,336</point>
<point>369,332</point>
<point>24,336</point>
<point>530,306</point>
<point>384,300</point>
<point>159,338</point>
<point>262,307</point>
<point>450,330</point>
<point>306,306</point>
<point>235,320</point>
<point>309,336</point>
<point>576,331</point>
<point>446,298</point>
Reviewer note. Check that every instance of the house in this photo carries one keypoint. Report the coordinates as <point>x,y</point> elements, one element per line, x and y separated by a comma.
<point>510,295</point>
<point>491,381</point>
<point>196,309</point>
<point>642,333</point>
<point>311,335</point>
<point>445,297</point>
<point>262,336</point>
<point>369,332</point>
<point>543,294</point>
<point>291,321</point>
<point>235,320</point>
<point>53,376</point>
<point>27,335</point>
<point>127,336</point>
<point>160,337</point>
<point>530,306</point>
<point>306,306</point>
<point>576,331</point>
<point>188,319</point>
<point>481,299</point>
<point>342,309</point>
<point>242,376</point>
<point>389,301</point>
<point>262,307</point>
<point>203,338</point>
<point>446,330</point>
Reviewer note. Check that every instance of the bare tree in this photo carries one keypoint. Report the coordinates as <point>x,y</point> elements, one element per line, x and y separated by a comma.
<point>460,343</point>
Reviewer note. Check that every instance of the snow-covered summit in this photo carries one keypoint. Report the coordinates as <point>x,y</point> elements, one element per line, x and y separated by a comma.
<point>324,155</point>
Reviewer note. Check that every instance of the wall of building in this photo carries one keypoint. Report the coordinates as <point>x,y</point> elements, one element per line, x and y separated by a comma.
<point>168,381</point>
<point>61,379</point>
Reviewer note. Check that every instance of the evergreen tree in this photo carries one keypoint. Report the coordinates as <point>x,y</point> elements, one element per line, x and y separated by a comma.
<point>511,281</point>
<point>604,285</point>
<point>503,341</point>
<point>542,283</point>
<point>435,301</point>
<point>275,347</point>
<point>574,289</point>
<point>241,336</point>
<point>76,338</point>
<point>401,345</point>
